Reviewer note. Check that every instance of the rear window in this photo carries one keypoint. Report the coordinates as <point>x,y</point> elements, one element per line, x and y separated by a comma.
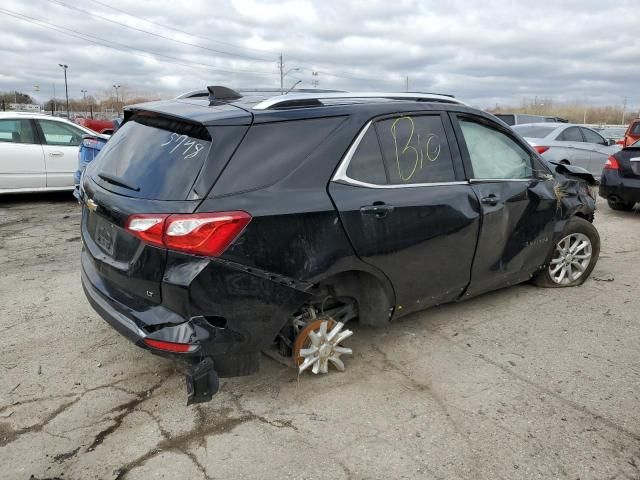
<point>154,157</point>
<point>534,131</point>
<point>635,129</point>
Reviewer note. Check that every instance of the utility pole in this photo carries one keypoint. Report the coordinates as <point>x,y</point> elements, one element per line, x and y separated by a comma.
<point>624,107</point>
<point>407,84</point>
<point>281,66</point>
<point>66,88</point>
<point>117,106</point>
<point>84,98</point>
<point>53,102</point>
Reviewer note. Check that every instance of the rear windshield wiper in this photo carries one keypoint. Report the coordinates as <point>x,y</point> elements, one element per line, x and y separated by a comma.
<point>117,181</point>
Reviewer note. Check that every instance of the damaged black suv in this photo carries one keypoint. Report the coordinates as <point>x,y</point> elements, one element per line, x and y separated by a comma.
<point>219,226</point>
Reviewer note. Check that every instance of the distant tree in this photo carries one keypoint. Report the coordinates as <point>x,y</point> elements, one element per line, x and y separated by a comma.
<point>15,97</point>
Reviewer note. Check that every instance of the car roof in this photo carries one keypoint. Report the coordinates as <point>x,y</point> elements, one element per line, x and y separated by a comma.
<point>259,107</point>
<point>31,115</point>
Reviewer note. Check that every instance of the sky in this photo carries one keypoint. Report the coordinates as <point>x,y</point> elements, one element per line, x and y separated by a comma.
<point>486,53</point>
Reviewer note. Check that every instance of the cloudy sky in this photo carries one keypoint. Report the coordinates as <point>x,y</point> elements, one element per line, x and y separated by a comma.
<point>495,52</point>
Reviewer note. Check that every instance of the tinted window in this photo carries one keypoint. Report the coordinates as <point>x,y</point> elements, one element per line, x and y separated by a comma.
<point>507,118</point>
<point>272,151</point>
<point>635,129</point>
<point>366,164</point>
<point>571,134</point>
<point>534,130</point>
<point>494,154</point>
<point>415,150</point>
<point>16,131</point>
<point>58,133</point>
<point>159,157</point>
<point>591,137</point>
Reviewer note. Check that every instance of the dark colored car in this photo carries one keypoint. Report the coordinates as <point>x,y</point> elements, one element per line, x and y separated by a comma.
<point>215,228</point>
<point>620,181</point>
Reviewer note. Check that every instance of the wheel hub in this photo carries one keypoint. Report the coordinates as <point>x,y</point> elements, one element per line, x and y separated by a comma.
<point>318,344</point>
<point>571,258</point>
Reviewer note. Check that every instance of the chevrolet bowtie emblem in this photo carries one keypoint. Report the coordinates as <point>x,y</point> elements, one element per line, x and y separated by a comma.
<point>91,205</point>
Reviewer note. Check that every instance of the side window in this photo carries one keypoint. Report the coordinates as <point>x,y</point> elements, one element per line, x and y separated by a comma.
<point>58,133</point>
<point>415,150</point>
<point>571,134</point>
<point>16,131</point>
<point>366,164</point>
<point>494,154</point>
<point>591,137</point>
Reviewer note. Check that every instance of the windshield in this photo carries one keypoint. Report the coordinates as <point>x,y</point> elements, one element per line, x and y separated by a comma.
<point>154,157</point>
<point>534,130</point>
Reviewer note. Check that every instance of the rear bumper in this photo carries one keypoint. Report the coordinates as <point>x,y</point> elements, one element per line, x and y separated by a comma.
<point>626,189</point>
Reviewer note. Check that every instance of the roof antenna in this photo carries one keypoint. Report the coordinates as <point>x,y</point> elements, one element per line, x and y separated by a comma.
<point>218,92</point>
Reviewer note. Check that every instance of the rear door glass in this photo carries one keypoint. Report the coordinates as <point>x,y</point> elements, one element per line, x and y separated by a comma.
<point>153,157</point>
<point>571,134</point>
<point>366,165</point>
<point>415,150</point>
<point>16,131</point>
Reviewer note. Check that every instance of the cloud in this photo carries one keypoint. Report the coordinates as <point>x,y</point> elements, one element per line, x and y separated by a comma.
<point>485,53</point>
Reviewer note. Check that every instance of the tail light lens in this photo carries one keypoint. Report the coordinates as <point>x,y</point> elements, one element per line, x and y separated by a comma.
<point>170,346</point>
<point>207,234</point>
<point>612,163</point>
<point>541,149</point>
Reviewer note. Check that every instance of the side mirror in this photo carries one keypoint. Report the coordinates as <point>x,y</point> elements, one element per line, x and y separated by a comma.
<point>610,142</point>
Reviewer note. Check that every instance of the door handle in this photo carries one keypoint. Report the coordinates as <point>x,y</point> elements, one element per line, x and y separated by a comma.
<point>490,200</point>
<point>378,209</point>
<point>56,154</point>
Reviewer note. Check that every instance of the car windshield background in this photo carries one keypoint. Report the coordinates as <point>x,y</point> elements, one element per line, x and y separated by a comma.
<point>592,137</point>
<point>158,156</point>
<point>534,131</point>
<point>58,133</point>
<point>367,165</point>
<point>16,131</point>
<point>493,154</point>
<point>571,134</point>
<point>415,150</point>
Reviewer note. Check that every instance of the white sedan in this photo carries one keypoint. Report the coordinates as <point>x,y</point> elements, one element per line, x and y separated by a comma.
<point>38,152</point>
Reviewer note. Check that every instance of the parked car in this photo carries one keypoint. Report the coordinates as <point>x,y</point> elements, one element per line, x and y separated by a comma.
<point>38,152</point>
<point>520,118</point>
<point>214,228</point>
<point>632,135</point>
<point>613,133</point>
<point>569,144</point>
<point>103,126</point>
<point>89,148</point>
<point>620,181</point>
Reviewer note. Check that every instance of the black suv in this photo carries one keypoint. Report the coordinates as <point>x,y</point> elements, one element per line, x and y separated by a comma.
<point>218,227</point>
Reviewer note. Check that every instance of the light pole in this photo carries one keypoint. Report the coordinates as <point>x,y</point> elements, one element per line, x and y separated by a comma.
<point>116,87</point>
<point>84,98</point>
<point>66,89</point>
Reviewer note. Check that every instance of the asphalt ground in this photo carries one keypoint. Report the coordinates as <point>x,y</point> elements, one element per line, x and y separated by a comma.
<point>522,383</point>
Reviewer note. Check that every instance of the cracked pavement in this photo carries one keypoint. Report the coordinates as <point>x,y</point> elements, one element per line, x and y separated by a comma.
<point>520,383</point>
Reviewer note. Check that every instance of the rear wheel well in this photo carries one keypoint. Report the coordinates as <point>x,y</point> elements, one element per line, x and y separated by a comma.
<point>373,302</point>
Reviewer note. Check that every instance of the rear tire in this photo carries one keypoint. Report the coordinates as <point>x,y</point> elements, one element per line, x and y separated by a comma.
<point>618,205</point>
<point>573,258</point>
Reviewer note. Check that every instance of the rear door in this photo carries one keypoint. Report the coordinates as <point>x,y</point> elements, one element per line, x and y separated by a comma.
<point>577,151</point>
<point>61,142</point>
<point>517,200</point>
<point>21,158</point>
<point>407,209</point>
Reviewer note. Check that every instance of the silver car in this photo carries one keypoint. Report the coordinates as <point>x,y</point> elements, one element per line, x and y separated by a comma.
<point>569,143</point>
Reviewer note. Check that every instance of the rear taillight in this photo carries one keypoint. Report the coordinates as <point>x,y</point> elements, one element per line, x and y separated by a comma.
<point>612,164</point>
<point>541,149</point>
<point>170,346</point>
<point>207,234</point>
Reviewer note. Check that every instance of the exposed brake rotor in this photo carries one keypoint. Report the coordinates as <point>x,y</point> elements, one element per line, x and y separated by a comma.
<point>318,343</point>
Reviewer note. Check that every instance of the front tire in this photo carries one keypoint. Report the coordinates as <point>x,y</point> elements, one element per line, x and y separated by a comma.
<point>618,205</point>
<point>573,258</point>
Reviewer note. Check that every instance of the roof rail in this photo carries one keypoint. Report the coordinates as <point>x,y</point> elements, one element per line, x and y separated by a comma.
<point>300,100</point>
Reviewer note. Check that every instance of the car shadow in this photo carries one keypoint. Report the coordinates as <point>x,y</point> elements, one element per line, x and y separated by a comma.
<point>22,199</point>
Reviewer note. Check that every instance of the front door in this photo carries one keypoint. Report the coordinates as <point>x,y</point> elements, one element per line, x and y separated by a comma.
<point>21,158</point>
<point>518,203</point>
<point>406,208</point>
<point>61,143</point>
